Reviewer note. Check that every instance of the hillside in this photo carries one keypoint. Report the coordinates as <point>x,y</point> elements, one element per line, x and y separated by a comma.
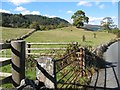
<point>71,34</point>
<point>24,21</point>
<point>12,33</point>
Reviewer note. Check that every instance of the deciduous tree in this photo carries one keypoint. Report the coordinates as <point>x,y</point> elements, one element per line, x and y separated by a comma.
<point>79,18</point>
<point>107,23</point>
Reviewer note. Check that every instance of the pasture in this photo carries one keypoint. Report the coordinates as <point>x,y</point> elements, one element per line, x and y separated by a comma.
<point>67,34</point>
<point>12,33</point>
<point>71,34</point>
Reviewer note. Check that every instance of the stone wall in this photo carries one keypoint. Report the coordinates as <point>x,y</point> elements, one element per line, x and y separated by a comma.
<point>22,37</point>
<point>99,51</point>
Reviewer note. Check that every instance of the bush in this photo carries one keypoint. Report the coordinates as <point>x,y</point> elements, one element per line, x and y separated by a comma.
<point>118,35</point>
<point>35,25</point>
<point>116,31</point>
<point>30,67</point>
<point>30,62</point>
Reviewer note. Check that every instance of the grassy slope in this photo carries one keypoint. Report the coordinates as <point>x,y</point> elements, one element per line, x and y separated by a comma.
<point>66,35</point>
<point>11,33</point>
<point>58,35</point>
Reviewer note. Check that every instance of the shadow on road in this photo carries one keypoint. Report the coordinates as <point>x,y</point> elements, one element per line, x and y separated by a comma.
<point>102,64</point>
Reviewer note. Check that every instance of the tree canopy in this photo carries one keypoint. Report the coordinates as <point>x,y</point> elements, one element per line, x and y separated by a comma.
<point>107,23</point>
<point>26,21</point>
<point>35,25</point>
<point>79,18</point>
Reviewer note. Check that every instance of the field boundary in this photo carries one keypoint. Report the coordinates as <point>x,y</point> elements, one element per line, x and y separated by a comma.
<point>22,37</point>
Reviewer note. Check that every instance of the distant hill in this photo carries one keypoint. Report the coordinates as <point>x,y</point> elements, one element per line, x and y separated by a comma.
<point>92,27</point>
<point>19,20</point>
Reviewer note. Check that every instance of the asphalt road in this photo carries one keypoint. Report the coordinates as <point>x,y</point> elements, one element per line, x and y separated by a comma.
<point>109,77</point>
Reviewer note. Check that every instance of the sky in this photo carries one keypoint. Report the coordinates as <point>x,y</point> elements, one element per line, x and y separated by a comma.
<point>95,10</point>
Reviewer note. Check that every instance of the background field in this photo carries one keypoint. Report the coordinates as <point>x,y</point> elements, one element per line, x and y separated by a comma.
<point>71,34</point>
<point>11,33</point>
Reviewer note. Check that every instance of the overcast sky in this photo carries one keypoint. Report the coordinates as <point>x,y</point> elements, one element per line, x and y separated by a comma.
<point>96,11</point>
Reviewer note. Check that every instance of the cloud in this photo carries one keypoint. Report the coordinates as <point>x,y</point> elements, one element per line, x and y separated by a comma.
<point>92,19</point>
<point>114,1</point>
<point>97,20</point>
<point>24,11</point>
<point>18,2</point>
<point>28,12</point>
<point>102,6</point>
<point>35,12</point>
<point>20,9</point>
<point>50,16</point>
<point>70,12</point>
<point>113,17</point>
<point>84,3</point>
<point>5,11</point>
<point>70,21</point>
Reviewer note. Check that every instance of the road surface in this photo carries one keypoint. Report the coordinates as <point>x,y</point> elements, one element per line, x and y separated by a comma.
<point>108,77</point>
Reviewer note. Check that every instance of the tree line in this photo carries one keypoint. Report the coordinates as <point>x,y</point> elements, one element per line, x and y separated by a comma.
<point>39,22</point>
<point>32,21</point>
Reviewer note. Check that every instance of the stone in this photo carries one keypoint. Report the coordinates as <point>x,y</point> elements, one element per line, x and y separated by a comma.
<point>47,65</point>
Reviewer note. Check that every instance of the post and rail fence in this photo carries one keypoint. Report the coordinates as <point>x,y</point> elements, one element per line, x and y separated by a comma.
<point>37,50</point>
<point>66,71</point>
<point>30,48</point>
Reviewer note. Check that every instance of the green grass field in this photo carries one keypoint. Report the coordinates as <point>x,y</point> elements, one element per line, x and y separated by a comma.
<point>67,34</point>
<point>71,34</point>
<point>11,33</point>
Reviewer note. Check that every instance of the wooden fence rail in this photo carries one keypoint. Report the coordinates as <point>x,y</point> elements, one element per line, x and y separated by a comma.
<point>46,49</point>
<point>5,46</point>
<point>5,61</point>
<point>60,43</point>
<point>29,48</point>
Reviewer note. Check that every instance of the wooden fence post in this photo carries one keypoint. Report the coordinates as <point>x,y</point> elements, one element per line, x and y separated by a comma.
<point>29,46</point>
<point>18,61</point>
<point>81,60</point>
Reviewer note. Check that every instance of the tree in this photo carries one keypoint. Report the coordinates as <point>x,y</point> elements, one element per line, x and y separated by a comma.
<point>79,18</point>
<point>107,23</point>
<point>35,25</point>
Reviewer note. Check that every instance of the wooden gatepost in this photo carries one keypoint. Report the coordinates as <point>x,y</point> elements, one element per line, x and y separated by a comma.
<point>80,57</point>
<point>18,61</point>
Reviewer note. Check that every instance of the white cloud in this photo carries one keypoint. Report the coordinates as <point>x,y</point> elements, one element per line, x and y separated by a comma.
<point>114,1</point>
<point>70,12</point>
<point>18,2</point>
<point>28,12</point>
<point>24,11</point>
<point>35,12</point>
<point>50,16</point>
<point>102,6</point>
<point>5,11</point>
<point>97,20</point>
<point>92,19</point>
<point>70,21</point>
<point>20,9</point>
<point>84,3</point>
